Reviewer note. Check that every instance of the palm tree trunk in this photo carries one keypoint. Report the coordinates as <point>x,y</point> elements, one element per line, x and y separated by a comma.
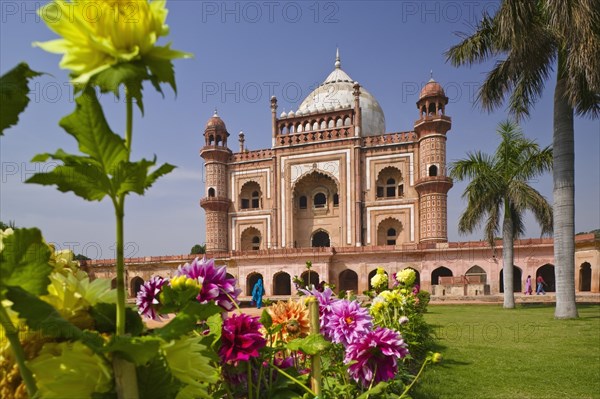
<point>564,199</point>
<point>508,259</point>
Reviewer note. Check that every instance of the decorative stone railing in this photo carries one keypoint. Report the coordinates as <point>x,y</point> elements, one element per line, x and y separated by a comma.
<point>389,138</point>
<point>314,136</point>
<point>255,155</point>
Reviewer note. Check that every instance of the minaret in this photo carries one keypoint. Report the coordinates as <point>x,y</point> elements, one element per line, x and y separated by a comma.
<point>432,184</point>
<point>216,201</point>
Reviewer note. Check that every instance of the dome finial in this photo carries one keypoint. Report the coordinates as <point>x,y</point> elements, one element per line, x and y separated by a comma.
<point>338,63</point>
<point>215,113</point>
<point>431,75</point>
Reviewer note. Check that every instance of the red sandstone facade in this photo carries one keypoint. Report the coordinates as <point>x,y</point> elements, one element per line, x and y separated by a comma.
<point>336,189</point>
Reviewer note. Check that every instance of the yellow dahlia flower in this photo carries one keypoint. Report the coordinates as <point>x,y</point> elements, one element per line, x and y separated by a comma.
<point>97,34</point>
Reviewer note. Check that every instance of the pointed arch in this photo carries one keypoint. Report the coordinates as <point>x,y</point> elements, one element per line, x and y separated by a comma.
<point>517,277</point>
<point>388,231</point>
<point>314,278</point>
<point>250,195</point>
<point>251,239</point>
<point>585,277</point>
<point>348,281</point>
<point>282,284</point>
<point>251,279</point>
<point>441,271</point>
<point>476,274</point>
<point>136,284</point>
<point>320,238</point>
<point>547,273</point>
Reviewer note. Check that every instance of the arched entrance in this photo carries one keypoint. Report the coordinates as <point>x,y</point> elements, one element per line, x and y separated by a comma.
<point>585,277</point>
<point>348,281</point>
<point>388,232</point>
<point>113,283</point>
<point>476,274</point>
<point>251,280</point>
<point>282,284</point>
<point>517,277</point>
<point>314,279</point>
<point>320,239</point>
<point>440,272</point>
<point>136,284</point>
<point>251,239</point>
<point>547,273</point>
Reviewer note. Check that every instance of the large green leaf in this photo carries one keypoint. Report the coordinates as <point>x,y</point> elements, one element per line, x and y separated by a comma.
<point>13,94</point>
<point>40,315</point>
<point>155,380</point>
<point>24,261</point>
<point>139,350</point>
<point>85,180</point>
<point>90,128</point>
<point>311,345</point>
<point>130,74</point>
<point>187,319</point>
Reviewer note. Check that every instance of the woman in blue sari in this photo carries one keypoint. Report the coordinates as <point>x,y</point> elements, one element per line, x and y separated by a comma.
<point>257,293</point>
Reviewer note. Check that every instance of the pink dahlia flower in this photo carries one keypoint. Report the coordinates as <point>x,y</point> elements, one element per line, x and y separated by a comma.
<point>374,356</point>
<point>147,297</point>
<point>346,322</point>
<point>326,300</point>
<point>241,339</point>
<point>215,284</point>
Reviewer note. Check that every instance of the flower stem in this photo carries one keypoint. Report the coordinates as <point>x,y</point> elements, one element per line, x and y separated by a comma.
<point>125,373</point>
<point>249,381</point>
<point>15,344</point>
<point>307,389</point>
<point>315,375</point>
<point>415,379</point>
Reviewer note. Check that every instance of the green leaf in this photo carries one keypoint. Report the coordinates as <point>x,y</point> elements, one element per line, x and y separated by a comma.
<point>161,72</point>
<point>155,380</point>
<point>376,390</point>
<point>14,94</point>
<point>105,314</point>
<point>24,261</point>
<point>84,180</point>
<point>215,325</point>
<point>139,350</point>
<point>311,345</point>
<point>187,319</point>
<point>265,319</point>
<point>130,74</point>
<point>89,127</point>
<point>40,315</point>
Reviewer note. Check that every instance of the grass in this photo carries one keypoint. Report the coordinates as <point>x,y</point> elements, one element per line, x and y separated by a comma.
<point>490,352</point>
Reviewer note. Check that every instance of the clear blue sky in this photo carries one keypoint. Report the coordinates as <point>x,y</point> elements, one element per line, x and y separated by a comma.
<point>244,52</point>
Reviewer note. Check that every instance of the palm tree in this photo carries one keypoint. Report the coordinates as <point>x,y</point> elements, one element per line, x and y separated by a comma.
<point>529,38</point>
<point>499,193</point>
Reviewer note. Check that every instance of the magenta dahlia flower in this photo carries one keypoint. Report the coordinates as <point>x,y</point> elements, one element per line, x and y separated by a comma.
<point>240,339</point>
<point>346,322</point>
<point>326,300</point>
<point>374,356</point>
<point>147,297</point>
<point>215,284</point>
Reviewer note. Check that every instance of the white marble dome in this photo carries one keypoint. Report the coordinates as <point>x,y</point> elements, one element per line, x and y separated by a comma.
<point>336,92</point>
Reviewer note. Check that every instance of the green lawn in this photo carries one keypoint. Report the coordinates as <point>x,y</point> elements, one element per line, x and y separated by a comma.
<point>490,353</point>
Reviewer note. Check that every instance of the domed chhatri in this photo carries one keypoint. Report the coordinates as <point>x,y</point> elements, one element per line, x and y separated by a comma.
<point>337,92</point>
<point>432,89</point>
<point>215,121</point>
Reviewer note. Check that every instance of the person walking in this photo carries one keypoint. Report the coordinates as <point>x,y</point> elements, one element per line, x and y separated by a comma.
<point>257,293</point>
<point>528,289</point>
<point>540,285</point>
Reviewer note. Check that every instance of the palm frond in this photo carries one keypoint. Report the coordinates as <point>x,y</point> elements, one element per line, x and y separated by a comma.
<point>476,47</point>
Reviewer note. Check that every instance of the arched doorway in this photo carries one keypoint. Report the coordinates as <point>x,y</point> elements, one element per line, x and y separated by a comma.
<point>282,284</point>
<point>585,277</point>
<point>320,239</point>
<point>476,274</point>
<point>547,273</point>
<point>251,280</point>
<point>251,239</point>
<point>113,283</point>
<point>388,232</point>
<point>440,272</point>
<point>373,273</point>
<point>314,279</point>
<point>517,277</point>
<point>348,281</point>
<point>136,284</point>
